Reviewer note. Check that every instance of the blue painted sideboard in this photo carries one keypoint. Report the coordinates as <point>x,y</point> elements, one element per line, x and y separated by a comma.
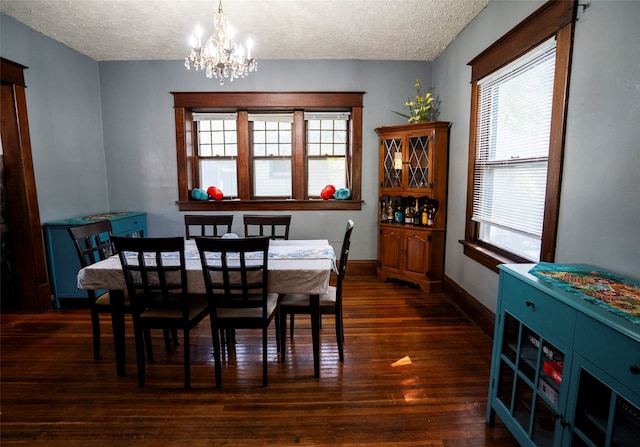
<point>62,258</point>
<point>565,369</point>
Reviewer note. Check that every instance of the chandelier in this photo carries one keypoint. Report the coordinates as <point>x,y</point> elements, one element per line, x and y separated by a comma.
<point>220,57</point>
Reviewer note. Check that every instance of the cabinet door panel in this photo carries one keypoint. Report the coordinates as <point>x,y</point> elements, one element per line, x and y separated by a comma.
<point>418,163</point>
<point>392,164</point>
<point>621,358</point>
<point>390,246</point>
<point>417,253</point>
<point>544,424</point>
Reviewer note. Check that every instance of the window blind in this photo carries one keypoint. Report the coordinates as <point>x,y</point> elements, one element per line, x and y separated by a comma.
<point>512,147</point>
<point>272,117</point>
<point>326,115</point>
<point>215,116</point>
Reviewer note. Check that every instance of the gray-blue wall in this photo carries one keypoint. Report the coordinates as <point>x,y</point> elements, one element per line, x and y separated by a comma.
<point>139,133</point>
<point>126,142</point>
<point>65,121</point>
<point>599,220</point>
<point>103,133</point>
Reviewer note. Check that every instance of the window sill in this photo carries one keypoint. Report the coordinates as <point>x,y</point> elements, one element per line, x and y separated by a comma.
<point>268,205</point>
<point>486,256</point>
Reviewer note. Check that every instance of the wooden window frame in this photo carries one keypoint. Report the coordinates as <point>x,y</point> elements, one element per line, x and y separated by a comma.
<point>187,103</point>
<point>554,18</point>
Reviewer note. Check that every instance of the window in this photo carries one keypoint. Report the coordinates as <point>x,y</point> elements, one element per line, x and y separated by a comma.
<point>512,152</point>
<point>327,139</point>
<point>519,91</point>
<point>217,151</point>
<point>271,151</point>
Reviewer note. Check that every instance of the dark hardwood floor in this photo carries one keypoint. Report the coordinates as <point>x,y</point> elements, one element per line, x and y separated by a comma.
<point>54,394</point>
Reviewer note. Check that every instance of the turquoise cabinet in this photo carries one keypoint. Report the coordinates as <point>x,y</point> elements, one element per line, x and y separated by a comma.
<point>564,371</point>
<point>62,259</point>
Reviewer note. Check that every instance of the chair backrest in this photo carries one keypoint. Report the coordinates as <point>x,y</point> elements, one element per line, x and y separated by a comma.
<point>154,270</point>
<point>210,225</point>
<point>235,272</point>
<point>276,227</point>
<point>92,241</point>
<point>344,253</point>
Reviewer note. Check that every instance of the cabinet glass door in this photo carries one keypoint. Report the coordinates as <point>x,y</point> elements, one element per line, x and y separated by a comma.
<point>603,418</point>
<point>529,381</point>
<point>392,163</point>
<point>418,162</point>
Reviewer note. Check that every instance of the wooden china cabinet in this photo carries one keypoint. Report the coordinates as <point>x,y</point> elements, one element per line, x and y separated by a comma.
<point>413,182</point>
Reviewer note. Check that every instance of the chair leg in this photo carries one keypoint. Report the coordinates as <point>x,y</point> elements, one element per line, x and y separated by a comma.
<point>187,360</point>
<point>265,375</point>
<point>340,336</point>
<point>291,315</point>
<point>277,323</point>
<point>227,336</point>
<point>216,355</point>
<point>148,345</point>
<point>139,354</point>
<point>174,337</point>
<point>230,344</point>
<point>167,340</point>
<point>223,336</point>
<point>282,321</point>
<point>231,336</point>
<point>95,325</point>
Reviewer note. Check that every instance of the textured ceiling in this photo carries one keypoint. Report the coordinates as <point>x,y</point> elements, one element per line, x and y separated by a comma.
<point>107,30</point>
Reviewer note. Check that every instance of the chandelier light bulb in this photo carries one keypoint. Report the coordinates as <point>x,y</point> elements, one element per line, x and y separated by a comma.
<point>249,47</point>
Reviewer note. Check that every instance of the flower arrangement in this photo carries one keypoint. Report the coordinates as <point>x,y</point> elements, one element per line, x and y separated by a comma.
<point>420,110</point>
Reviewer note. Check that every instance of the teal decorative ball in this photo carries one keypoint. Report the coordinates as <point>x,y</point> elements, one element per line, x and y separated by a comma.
<point>342,194</point>
<point>199,194</point>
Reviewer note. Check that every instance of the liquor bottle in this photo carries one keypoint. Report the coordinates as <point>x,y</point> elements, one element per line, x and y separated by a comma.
<point>425,215</point>
<point>390,217</point>
<point>416,214</point>
<point>384,217</point>
<point>399,218</point>
<point>408,216</point>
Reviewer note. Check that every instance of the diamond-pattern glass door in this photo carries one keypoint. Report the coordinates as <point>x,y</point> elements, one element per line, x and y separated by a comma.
<point>418,162</point>
<point>392,163</point>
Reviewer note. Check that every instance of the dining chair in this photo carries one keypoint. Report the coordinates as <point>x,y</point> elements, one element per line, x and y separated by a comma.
<point>155,275</point>
<point>209,225</point>
<point>236,282</point>
<point>330,302</point>
<point>274,226</point>
<point>93,244</point>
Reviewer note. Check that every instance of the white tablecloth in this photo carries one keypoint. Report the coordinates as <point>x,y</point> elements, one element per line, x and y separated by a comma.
<point>295,266</point>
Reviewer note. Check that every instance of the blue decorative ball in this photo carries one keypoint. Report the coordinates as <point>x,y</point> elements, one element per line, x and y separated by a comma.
<point>342,194</point>
<point>199,194</point>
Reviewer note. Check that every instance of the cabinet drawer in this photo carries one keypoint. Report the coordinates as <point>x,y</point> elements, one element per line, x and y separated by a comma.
<point>537,310</point>
<point>128,225</point>
<point>613,352</point>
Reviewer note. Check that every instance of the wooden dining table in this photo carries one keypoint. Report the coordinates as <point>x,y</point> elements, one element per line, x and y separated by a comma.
<point>294,266</point>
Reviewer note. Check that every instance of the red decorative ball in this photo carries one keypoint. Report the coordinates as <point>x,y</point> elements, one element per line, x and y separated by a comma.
<point>327,192</point>
<point>215,193</point>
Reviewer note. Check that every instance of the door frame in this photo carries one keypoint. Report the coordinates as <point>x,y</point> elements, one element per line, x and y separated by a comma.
<point>22,200</point>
